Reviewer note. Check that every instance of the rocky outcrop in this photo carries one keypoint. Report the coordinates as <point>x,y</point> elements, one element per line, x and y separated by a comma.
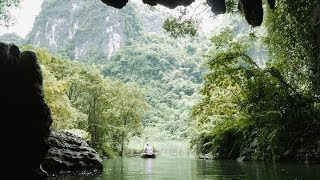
<point>67,28</point>
<point>25,122</point>
<point>25,117</point>
<point>252,9</point>
<point>69,154</point>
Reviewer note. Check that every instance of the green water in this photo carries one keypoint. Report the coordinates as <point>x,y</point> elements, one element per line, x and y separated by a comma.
<point>164,168</point>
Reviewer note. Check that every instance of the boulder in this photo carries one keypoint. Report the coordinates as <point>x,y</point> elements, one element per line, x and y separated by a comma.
<point>25,117</point>
<point>69,154</point>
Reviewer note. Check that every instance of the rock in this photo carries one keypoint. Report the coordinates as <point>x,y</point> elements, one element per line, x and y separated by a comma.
<point>25,117</point>
<point>40,174</point>
<point>25,122</point>
<point>69,154</point>
<point>115,3</point>
<point>252,10</point>
<point>272,3</point>
<point>217,6</point>
<point>168,3</point>
<point>206,156</point>
<point>241,159</point>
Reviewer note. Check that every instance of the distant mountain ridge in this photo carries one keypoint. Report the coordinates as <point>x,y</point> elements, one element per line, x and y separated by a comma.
<point>75,28</point>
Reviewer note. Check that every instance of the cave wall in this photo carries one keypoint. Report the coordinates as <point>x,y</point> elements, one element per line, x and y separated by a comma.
<point>24,116</point>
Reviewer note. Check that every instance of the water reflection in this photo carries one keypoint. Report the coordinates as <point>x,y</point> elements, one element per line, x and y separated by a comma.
<point>162,168</point>
<point>264,170</point>
<point>148,167</point>
<point>218,170</point>
<point>227,169</point>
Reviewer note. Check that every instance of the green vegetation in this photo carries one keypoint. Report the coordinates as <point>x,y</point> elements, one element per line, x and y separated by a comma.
<point>169,70</point>
<point>148,90</point>
<point>5,15</point>
<point>112,112</point>
<point>263,113</point>
<point>79,97</point>
<point>180,28</point>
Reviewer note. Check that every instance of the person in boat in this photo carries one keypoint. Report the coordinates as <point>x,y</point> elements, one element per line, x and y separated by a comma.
<point>148,149</point>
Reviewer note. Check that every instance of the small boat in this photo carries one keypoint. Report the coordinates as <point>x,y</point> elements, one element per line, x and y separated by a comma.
<point>148,155</point>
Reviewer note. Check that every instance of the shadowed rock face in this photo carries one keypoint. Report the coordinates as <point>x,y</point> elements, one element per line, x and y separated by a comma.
<point>252,10</point>
<point>25,121</point>
<point>25,117</point>
<point>69,154</point>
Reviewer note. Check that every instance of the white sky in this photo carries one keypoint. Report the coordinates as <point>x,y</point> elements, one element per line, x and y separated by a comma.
<point>24,18</point>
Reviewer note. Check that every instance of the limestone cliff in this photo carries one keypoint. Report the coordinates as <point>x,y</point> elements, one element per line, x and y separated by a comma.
<point>80,29</point>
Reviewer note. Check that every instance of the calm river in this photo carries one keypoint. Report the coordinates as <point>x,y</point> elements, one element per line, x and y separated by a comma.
<point>163,168</point>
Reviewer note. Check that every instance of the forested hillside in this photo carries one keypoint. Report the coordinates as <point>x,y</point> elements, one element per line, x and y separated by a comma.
<point>171,73</point>
<point>244,92</point>
<point>129,46</point>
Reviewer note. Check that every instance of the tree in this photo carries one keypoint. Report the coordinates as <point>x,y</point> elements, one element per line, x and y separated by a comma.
<point>127,112</point>
<point>5,6</point>
<point>64,114</point>
<point>293,40</point>
<point>170,73</point>
<point>252,111</point>
<point>111,106</point>
<point>80,97</point>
